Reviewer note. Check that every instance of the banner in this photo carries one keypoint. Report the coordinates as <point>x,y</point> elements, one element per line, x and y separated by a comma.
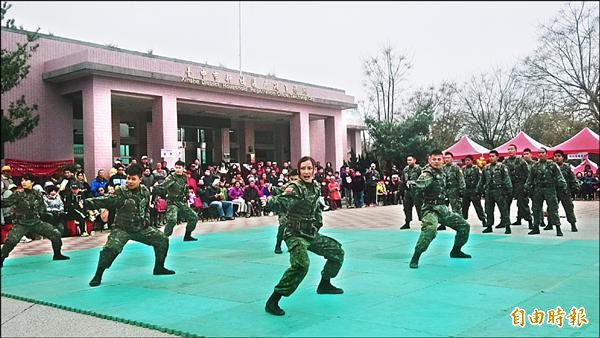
<point>577,156</point>
<point>38,168</point>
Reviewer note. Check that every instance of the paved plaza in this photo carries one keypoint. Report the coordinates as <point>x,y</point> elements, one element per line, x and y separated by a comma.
<point>223,280</point>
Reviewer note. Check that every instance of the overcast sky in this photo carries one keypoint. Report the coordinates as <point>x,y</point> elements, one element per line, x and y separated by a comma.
<point>316,42</point>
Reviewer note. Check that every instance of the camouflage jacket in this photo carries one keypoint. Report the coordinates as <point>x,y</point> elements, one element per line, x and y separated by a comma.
<point>495,177</point>
<point>174,187</point>
<point>529,163</point>
<point>545,174</point>
<point>411,174</point>
<point>472,175</point>
<point>28,206</point>
<point>572,182</point>
<point>518,170</point>
<point>300,201</point>
<point>131,207</point>
<point>455,182</point>
<point>281,213</point>
<point>431,186</point>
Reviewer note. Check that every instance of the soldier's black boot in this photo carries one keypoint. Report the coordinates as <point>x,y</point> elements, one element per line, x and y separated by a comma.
<point>325,287</point>
<point>517,222</point>
<point>414,261</point>
<point>558,231</point>
<point>278,248</point>
<point>97,279</point>
<point>573,228</point>
<point>441,227</point>
<point>535,230</point>
<point>1,262</point>
<point>188,237</point>
<point>272,305</point>
<point>159,269</point>
<point>549,227</point>
<point>58,256</point>
<point>487,229</point>
<point>530,224</point>
<point>500,226</point>
<point>457,253</point>
<point>507,231</point>
<point>405,226</point>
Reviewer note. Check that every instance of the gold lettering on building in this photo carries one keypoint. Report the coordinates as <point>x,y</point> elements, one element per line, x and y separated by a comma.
<point>228,78</point>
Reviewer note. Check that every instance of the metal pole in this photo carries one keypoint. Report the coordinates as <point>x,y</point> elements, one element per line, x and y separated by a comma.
<point>240,33</point>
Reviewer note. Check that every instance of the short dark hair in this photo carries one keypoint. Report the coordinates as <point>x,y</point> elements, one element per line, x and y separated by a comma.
<point>435,152</point>
<point>494,152</point>
<point>307,158</point>
<point>294,172</point>
<point>135,170</point>
<point>526,150</point>
<point>469,157</point>
<point>180,163</point>
<point>543,148</point>
<point>513,145</point>
<point>449,153</point>
<point>559,152</point>
<point>29,176</point>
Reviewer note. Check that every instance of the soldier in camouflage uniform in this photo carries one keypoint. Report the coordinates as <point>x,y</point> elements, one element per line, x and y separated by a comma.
<point>131,222</point>
<point>518,170</point>
<point>543,182</point>
<point>29,205</point>
<point>301,202</point>
<point>411,172</point>
<point>455,183</point>
<point>431,186</point>
<point>282,214</point>
<point>573,185</point>
<point>175,187</point>
<point>530,161</point>
<point>496,185</point>
<point>472,174</point>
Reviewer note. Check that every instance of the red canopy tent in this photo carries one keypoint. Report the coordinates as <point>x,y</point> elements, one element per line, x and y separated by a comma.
<point>585,141</point>
<point>581,166</point>
<point>465,146</point>
<point>522,141</point>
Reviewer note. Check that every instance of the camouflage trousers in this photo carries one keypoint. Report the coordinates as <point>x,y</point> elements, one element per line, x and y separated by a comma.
<point>281,230</point>
<point>119,237</point>
<point>172,215</point>
<point>39,227</point>
<point>410,200</point>
<point>537,198</point>
<point>567,203</point>
<point>455,201</point>
<point>518,193</point>
<point>439,214</point>
<point>472,197</point>
<point>492,198</point>
<point>299,261</point>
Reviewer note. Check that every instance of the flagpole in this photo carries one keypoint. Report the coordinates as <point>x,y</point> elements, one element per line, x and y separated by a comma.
<point>240,33</point>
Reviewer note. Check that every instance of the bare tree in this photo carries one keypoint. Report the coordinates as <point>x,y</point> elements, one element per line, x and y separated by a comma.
<point>496,105</point>
<point>566,60</point>
<point>384,75</point>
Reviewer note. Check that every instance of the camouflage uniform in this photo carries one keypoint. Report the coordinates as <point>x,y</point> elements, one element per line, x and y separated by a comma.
<point>301,233</point>
<point>518,170</point>
<point>455,184</point>
<point>176,189</point>
<point>282,219</point>
<point>573,185</point>
<point>410,198</point>
<point>131,222</point>
<point>472,176</point>
<point>29,206</point>
<point>496,185</point>
<point>543,182</point>
<point>431,187</point>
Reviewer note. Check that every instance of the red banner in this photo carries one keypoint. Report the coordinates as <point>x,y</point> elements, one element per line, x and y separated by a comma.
<point>38,168</point>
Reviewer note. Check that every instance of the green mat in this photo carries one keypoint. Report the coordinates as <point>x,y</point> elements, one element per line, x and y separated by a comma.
<point>224,279</point>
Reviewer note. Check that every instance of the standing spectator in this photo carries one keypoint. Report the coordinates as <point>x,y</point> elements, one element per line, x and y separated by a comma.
<point>395,189</point>
<point>381,192</point>
<point>99,182</point>
<point>347,186</point>
<point>372,176</point>
<point>411,172</point>
<point>334,193</point>
<point>358,189</point>
<point>6,178</point>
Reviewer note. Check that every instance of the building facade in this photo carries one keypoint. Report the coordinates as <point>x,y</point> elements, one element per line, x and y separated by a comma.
<point>97,103</point>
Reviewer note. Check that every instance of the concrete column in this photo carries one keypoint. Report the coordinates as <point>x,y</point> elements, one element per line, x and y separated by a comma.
<point>317,140</point>
<point>164,127</point>
<point>299,136</point>
<point>358,142</point>
<point>248,141</point>
<point>225,145</point>
<point>334,140</point>
<point>97,127</point>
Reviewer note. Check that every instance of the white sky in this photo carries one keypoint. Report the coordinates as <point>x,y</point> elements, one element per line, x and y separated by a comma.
<point>315,42</point>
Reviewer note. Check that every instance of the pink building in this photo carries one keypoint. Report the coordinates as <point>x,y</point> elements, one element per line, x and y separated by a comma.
<point>97,103</point>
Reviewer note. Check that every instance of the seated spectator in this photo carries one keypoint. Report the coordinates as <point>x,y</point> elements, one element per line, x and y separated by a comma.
<point>74,208</point>
<point>85,187</point>
<point>395,189</point>
<point>99,182</point>
<point>119,178</point>
<point>252,198</point>
<point>236,196</point>
<point>589,186</point>
<point>159,172</point>
<point>148,178</point>
<point>214,198</point>
<point>55,208</point>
